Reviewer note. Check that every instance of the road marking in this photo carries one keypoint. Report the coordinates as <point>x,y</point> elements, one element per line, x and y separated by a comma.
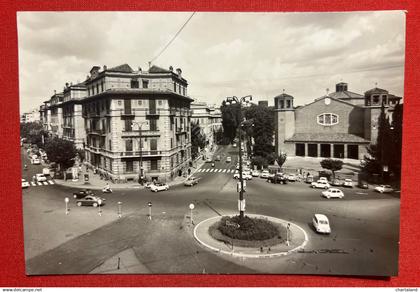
<point>40,184</point>
<point>207,170</point>
<point>45,183</point>
<point>32,183</point>
<point>224,170</point>
<point>220,170</point>
<point>51,182</point>
<point>211,170</point>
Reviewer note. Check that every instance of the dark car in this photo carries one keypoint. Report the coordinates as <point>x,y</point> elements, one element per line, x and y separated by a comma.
<point>90,201</point>
<point>363,185</point>
<point>278,178</point>
<point>82,194</point>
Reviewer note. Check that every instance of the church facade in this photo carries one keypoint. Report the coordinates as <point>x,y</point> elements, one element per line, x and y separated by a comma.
<point>338,125</point>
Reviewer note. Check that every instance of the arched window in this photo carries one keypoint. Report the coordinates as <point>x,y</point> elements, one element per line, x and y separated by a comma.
<point>327,119</point>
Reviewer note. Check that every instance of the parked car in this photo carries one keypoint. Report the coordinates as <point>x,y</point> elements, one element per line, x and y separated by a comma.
<point>384,189</point>
<point>191,181</point>
<point>265,174</point>
<point>234,145</point>
<point>323,178</point>
<point>321,224</point>
<point>83,193</point>
<point>309,179</point>
<point>90,200</point>
<point>217,158</point>
<point>156,187</point>
<point>25,184</point>
<point>255,173</point>
<point>363,185</point>
<point>333,193</point>
<point>245,175</point>
<point>336,182</point>
<point>320,184</point>
<point>148,184</point>
<point>348,183</point>
<point>228,159</point>
<point>40,177</point>
<point>292,177</point>
<point>278,178</point>
<point>208,160</point>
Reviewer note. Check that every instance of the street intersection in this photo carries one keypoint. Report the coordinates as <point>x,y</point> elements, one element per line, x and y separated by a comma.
<point>364,238</point>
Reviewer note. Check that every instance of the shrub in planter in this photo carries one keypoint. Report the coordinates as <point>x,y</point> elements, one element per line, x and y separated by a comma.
<point>249,228</point>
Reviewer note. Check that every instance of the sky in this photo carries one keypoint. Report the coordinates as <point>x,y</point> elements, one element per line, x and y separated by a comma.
<point>220,54</point>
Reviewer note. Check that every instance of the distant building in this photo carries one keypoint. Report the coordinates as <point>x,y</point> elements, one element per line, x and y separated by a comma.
<point>209,119</point>
<point>56,115</point>
<point>338,125</point>
<point>118,101</point>
<point>30,117</point>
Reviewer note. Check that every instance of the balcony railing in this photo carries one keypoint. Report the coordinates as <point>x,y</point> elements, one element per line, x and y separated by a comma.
<point>143,153</point>
<point>96,131</point>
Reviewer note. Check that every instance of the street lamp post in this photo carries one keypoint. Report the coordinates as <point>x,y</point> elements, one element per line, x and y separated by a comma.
<point>150,210</point>
<point>191,214</point>
<point>141,174</point>
<point>240,101</point>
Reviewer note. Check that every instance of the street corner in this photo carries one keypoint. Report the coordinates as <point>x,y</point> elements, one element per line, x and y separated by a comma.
<point>296,240</point>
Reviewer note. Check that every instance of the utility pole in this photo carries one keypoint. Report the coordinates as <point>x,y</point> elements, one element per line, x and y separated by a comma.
<point>141,174</point>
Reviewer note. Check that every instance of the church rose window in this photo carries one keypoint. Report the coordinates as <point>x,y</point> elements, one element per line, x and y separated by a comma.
<point>327,119</point>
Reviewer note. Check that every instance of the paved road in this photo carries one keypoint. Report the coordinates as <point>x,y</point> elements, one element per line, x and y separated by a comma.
<point>364,239</point>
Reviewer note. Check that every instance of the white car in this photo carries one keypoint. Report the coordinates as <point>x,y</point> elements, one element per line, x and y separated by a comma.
<point>265,174</point>
<point>292,177</point>
<point>323,178</point>
<point>228,159</point>
<point>255,173</point>
<point>159,187</point>
<point>25,184</point>
<point>321,224</point>
<point>245,175</point>
<point>40,177</point>
<point>333,193</point>
<point>384,189</point>
<point>36,161</point>
<point>320,184</point>
<point>348,183</point>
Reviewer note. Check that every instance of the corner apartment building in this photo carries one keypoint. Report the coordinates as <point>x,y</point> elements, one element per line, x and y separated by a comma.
<point>73,122</point>
<point>55,115</point>
<point>132,116</point>
<point>209,119</point>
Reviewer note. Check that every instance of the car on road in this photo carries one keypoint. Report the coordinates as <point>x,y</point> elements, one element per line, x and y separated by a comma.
<point>90,200</point>
<point>291,177</point>
<point>336,182</point>
<point>228,159</point>
<point>278,178</point>
<point>265,174</point>
<point>321,223</point>
<point>234,145</point>
<point>245,175</point>
<point>255,173</point>
<point>323,178</point>
<point>333,193</point>
<point>157,187</point>
<point>191,181</point>
<point>25,184</point>
<point>217,158</point>
<point>348,183</point>
<point>83,193</point>
<point>320,184</point>
<point>363,185</point>
<point>40,177</point>
<point>309,179</point>
<point>209,160</point>
<point>384,189</point>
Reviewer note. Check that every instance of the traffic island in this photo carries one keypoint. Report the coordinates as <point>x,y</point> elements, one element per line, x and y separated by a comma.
<point>260,236</point>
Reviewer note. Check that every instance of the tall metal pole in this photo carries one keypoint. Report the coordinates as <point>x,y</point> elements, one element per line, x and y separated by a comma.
<point>241,191</point>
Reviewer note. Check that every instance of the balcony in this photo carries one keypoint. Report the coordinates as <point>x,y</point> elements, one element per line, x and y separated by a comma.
<point>180,131</point>
<point>129,113</point>
<point>95,131</point>
<point>152,112</point>
<point>148,153</point>
<point>172,111</point>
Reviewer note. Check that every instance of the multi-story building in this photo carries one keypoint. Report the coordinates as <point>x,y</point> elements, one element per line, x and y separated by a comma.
<point>339,125</point>
<point>30,117</point>
<point>55,115</point>
<point>209,118</point>
<point>73,123</point>
<point>132,116</point>
<point>45,115</point>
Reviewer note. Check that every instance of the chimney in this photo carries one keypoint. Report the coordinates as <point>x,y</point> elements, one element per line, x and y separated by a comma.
<point>179,72</point>
<point>171,68</point>
<point>105,67</point>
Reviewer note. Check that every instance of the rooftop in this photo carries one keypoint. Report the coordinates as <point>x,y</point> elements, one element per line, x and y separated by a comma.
<point>327,137</point>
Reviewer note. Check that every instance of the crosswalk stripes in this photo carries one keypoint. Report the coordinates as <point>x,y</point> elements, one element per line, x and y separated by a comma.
<point>224,170</point>
<point>50,182</point>
<point>45,183</point>
<point>32,183</point>
<point>39,183</point>
<point>218,170</point>
<point>42,183</point>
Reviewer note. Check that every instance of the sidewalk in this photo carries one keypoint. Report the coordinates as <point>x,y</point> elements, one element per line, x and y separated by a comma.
<point>96,183</point>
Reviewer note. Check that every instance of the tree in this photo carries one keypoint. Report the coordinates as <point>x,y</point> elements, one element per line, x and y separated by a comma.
<point>33,132</point>
<point>396,141</point>
<point>61,152</point>
<point>198,139</point>
<point>231,118</point>
<point>281,159</point>
<point>332,164</point>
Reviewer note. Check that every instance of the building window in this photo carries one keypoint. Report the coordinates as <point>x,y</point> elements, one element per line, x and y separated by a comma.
<point>139,102</point>
<point>110,145</point>
<point>174,86</point>
<point>300,149</point>
<point>376,99</point>
<point>134,83</point>
<point>159,102</point>
<point>153,125</point>
<point>129,145</point>
<point>281,103</point>
<point>145,83</point>
<point>327,119</point>
<point>153,164</point>
<point>119,102</point>
<point>129,166</point>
